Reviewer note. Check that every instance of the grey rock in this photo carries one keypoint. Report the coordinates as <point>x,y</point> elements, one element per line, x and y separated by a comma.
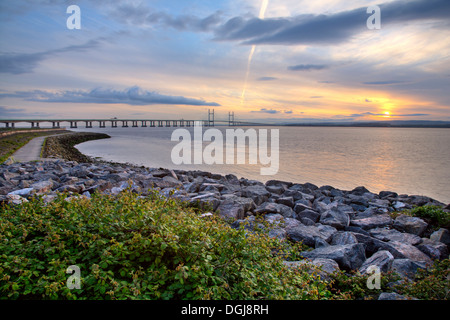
<point>324,267</point>
<point>21,192</point>
<point>382,259</point>
<point>43,186</point>
<point>442,235</point>
<point>258,193</point>
<point>433,249</point>
<point>384,234</point>
<point>231,209</point>
<point>307,234</point>
<point>406,268</point>
<point>377,221</point>
<point>349,257</point>
<point>310,214</point>
<point>335,217</point>
<point>409,224</point>
<point>272,207</point>
<point>287,201</point>
<point>342,238</point>
<point>393,296</point>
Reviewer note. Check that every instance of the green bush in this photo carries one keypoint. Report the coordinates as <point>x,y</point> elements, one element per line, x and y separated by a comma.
<point>131,247</point>
<point>430,284</point>
<point>434,215</point>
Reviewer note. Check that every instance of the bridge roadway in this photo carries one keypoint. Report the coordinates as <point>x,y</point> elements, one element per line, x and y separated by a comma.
<point>56,123</point>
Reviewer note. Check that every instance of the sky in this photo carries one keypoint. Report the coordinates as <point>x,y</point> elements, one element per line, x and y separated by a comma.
<point>280,61</point>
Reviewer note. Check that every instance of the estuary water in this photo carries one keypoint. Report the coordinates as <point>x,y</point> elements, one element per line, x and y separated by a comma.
<point>414,161</point>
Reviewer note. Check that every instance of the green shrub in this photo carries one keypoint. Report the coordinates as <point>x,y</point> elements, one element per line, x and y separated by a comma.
<point>434,215</point>
<point>430,284</point>
<point>131,247</point>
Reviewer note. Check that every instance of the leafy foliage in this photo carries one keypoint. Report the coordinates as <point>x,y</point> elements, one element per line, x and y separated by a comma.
<point>134,247</point>
<point>435,215</point>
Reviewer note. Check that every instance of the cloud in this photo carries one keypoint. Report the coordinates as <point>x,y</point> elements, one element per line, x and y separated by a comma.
<point>384,82</point>
<point>140,15</point>
<point>7,112</point>
<point>367,100</point>
<point>308,67</point>
<point>267,79</point>
<point>18,63</point>
<point>130,96</point>
<point>288,111</point>
<point>316,97</point>
<point>264,110</point>
<point>327,29</point>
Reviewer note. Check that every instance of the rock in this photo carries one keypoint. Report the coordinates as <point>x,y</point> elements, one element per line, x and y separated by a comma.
<point>335,217</point>
<point>258,193</point>
<point>231,209</point>
<point>381,220</point>
<point>393,296</point>
<point>15,199</point>
<point>403,250</point>
<point>387,194</point>
<point>287,201</point>
<point>21,192</point>
<point>342,238</point>
<point>409,224</point>
<point>406,268</point>
<point>324,267</point>
<point>349,257</point>
<point>433,249</point>
<point>359,191</point>
<point>309,214</point>
<point>442,235</point>
<point>272,207</point>
<point>395,235</point>
<point>308,234</point>
<point>43,186</point>
<point>382,259</point>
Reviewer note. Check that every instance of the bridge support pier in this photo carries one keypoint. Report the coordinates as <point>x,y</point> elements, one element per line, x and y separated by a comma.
<point>124,124</point>
<point>35,124</point>
<point>88,124</point>
<point>135,124</point>
<point>144,123</point>
<point>73,124</point>
<point>113,124</point>
<point>55,124</point>
<point>160,123</point>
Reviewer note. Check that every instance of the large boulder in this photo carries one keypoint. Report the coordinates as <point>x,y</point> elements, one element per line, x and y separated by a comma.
<point>395,235</point>
<point>410,224</point>
<point>258,193</point>
<point>376,221</point>
<point>382,259</point>
<point>349,257</point>
<point>231,209</point>
<point>308,234</point>
<point>336,216</point>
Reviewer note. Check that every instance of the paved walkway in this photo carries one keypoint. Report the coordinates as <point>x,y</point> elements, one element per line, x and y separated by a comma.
<point>32,150</point>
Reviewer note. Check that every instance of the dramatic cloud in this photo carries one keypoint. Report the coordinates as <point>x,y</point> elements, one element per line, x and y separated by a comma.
<point>18,63</point>
<point>130,96</point>
<point>327,29</point>
<point>308,67</point>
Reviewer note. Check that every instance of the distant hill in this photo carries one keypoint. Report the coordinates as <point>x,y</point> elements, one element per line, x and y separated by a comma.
<point>393,123</point>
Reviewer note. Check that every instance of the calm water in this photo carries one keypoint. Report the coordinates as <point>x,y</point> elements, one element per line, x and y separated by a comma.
<point>404,160</point>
